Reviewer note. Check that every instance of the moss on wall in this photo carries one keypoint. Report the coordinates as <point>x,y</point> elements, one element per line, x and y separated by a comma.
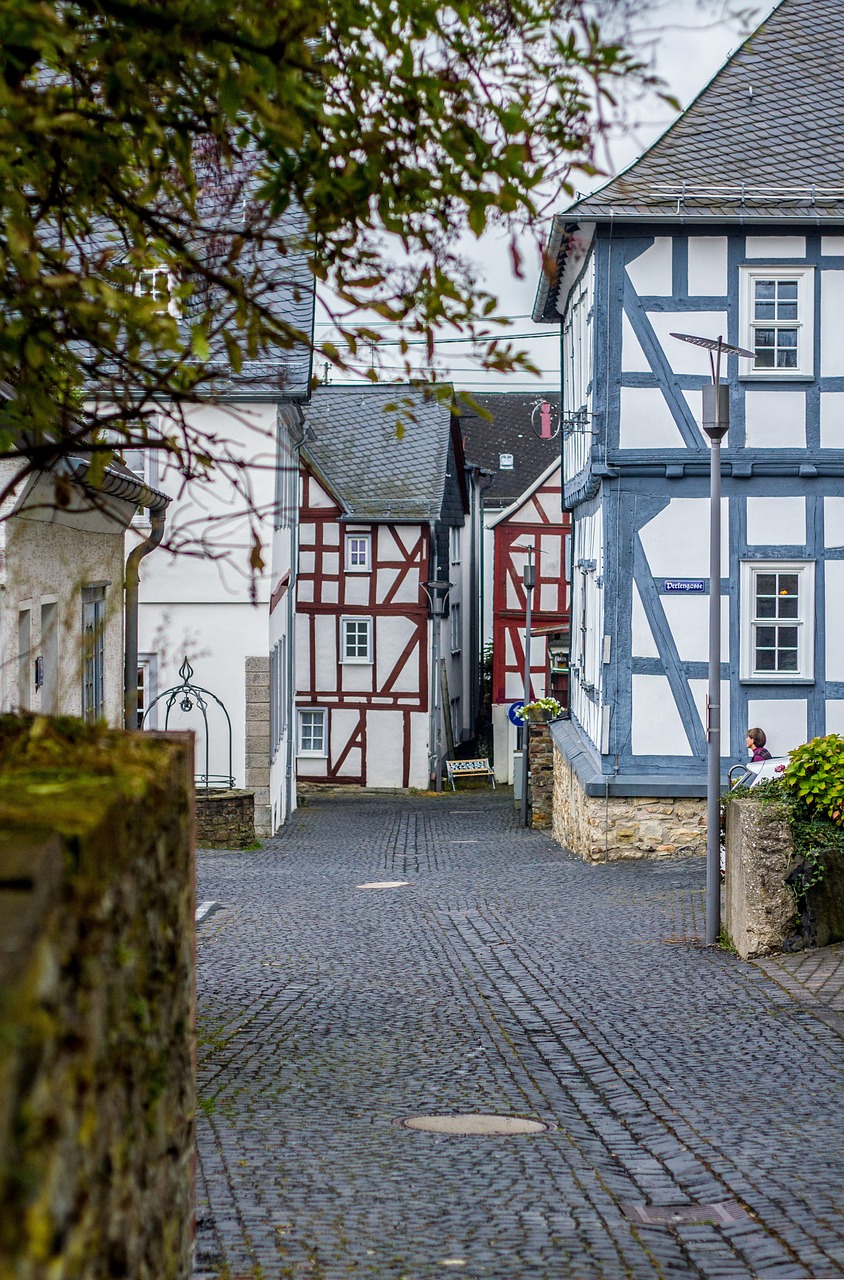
<point>96,1002</point>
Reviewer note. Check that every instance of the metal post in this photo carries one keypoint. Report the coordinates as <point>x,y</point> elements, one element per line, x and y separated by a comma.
<point>530,582</point>
<point>437,620</point>
<point>713,758</point>
<point>716,422</point>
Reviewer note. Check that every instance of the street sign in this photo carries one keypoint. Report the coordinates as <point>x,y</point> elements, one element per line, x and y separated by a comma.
<point>688,586</point>
<point>514,707</point>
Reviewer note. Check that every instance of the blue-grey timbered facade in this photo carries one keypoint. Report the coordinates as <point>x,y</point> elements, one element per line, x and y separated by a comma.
<point>721,229</point>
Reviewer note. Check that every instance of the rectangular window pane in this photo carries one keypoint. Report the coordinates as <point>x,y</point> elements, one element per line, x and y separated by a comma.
<point>787,584</point>
<point>766,289</point>
<point>787,660</point>
<point>787,290</point>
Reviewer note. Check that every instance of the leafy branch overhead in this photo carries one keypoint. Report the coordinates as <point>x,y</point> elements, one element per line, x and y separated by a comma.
<point>175,176</point>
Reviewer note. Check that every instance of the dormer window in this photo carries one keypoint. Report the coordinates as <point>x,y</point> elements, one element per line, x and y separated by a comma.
<point>777,321</point>
<point>159,285</point>
<point>505,462</point>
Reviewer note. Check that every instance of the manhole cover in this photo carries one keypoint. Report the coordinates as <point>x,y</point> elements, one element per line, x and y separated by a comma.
<point>675,1215</point>
<point>384,884</point>
<point>476,1125</point>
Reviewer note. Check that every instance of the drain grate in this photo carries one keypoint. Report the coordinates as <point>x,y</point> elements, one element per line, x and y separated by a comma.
<point>722,1214</point>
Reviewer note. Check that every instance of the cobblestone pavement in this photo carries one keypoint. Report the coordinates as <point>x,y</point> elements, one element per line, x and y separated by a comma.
<point>506,977</point>
<point>815,978</point>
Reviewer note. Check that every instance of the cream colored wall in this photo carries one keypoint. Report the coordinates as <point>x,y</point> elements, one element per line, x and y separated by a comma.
<point>51,563</point>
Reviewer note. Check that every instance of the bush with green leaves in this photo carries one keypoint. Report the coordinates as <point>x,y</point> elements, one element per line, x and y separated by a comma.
<point>814,776</point>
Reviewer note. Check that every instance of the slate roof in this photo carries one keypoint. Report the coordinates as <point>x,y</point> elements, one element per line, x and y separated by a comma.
<point>761,141</point>
<point>512,429</point>
<point>355,449</point>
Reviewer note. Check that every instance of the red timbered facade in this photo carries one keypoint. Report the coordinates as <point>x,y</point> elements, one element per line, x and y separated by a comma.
<point>536,519</point>
<point>362,646</point>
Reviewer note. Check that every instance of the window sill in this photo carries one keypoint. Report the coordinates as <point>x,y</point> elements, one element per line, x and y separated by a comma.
<point>777,681</point>
<point>357,662</point>
<point>771,375</point>
<point>357,569</point>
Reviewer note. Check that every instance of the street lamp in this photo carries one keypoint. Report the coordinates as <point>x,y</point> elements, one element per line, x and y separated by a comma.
<point>437,593</point>
<point>716,422</point>
<point>529,579</point>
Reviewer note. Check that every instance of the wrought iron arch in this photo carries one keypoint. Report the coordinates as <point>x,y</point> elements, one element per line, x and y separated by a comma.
<point>190,695</point>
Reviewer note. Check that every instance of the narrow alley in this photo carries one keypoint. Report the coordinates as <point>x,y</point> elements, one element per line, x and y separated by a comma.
<point>503,977</point>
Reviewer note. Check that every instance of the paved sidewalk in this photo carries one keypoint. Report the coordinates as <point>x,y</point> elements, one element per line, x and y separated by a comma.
<point>506,977</point>
<point>814,978</point>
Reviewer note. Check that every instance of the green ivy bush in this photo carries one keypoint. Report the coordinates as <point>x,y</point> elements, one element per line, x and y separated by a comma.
<point>815,776</point>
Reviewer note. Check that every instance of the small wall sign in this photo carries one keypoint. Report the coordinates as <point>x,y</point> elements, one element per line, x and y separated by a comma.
<point>687,586</point>
<point>514,718</point>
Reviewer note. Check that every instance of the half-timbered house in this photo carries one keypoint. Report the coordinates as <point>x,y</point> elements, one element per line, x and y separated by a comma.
<point>381,683</point>
<point>732,224</point>
<point>537,520</point>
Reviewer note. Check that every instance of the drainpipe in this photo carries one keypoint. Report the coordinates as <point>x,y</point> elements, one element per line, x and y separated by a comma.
<point>132,580</point>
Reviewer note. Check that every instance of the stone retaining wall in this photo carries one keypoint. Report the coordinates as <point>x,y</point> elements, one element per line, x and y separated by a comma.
<point>602,829</point>
<point>97,1010</point>
<point>761,913</point>
<point>225,819</point>
<point>541,763</point>
<point>257,774</point>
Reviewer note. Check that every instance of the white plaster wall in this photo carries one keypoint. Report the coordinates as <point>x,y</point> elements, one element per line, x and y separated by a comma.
<point>385,753</point>
<point>700,689</point>
<point>356,589</point>
<point>503,744</point>
<point>644,645</point>
<point>688,618</point>
<point>775,419</point>
<point>633,358</point>
<point>835,706</point>
<point>833,522</point>
<point>683,356</point>
<point>217,642</point>
<point>325,657</point>
<point>834,574</point>
<point>676,540</point>
<point>776,522</point>
<point>392,634</point>
<point>707,265</point>
<point>832,246</point>
<point>832,419</point>
<point>832,309</point>
<point>646,421</point>
<point>651,273</point>
<point>775,246</point>
<point>577,364</point>
<point>783,719</point>
<point>657,727</point>
<point>419,725</point>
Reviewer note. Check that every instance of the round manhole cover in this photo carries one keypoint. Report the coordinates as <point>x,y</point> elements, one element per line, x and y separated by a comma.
<point>384,884</point>
<point>476,1125</point>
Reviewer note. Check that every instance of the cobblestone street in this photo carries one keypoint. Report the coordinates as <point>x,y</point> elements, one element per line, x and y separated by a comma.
<point>506,977</point>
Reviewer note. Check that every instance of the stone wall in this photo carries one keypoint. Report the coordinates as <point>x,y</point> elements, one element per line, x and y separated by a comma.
<point>97,1008</point>
<point>599,828</point>
<point>225,819</point>
<point>761,912</point>
<point>541,778</point>
<point>258,741</point>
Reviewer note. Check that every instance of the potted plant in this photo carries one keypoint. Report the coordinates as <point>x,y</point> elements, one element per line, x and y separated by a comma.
<point>541,711</point>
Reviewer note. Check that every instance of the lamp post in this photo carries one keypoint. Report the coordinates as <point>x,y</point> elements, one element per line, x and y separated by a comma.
<point>716,422</point>
<point>437,593</point>
<point>529,579</point>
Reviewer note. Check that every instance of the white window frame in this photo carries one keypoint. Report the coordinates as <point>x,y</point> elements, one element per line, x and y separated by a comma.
<point>310,753</point>
<point>454,543</point>
<point>164,293</point>
<point>456,627</point>
<point>805,323</point>
<point>355,659</point>
<point>805,621</point>
<point>366,540</point>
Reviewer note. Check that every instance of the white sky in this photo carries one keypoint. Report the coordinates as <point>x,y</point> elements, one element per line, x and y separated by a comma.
<point>687,43</point>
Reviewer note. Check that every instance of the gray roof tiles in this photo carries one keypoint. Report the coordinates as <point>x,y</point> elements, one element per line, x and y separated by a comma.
<point>356,448</point>
<point>762,139</point>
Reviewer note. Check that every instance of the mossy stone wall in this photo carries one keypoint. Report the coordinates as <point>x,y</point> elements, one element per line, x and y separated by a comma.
<point>96,1003</point>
